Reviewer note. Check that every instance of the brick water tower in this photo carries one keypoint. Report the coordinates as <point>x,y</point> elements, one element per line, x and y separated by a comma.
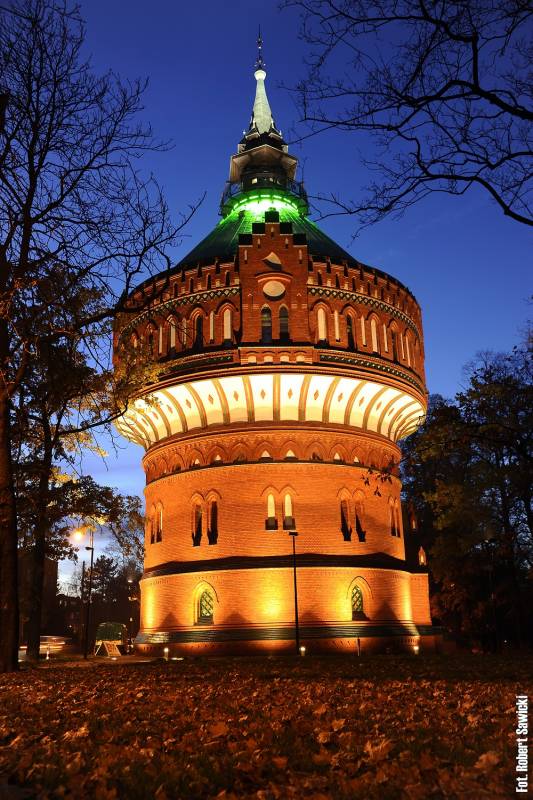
<point>286,372</point>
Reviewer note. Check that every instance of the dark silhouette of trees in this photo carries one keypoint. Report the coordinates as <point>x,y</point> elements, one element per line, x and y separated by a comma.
<point>468,473</point>
<point>444,88</point>
<point>54,409</point>
<point>79,226</point>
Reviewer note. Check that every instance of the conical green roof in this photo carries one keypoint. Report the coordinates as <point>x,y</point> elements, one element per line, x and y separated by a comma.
<point>250,210</point>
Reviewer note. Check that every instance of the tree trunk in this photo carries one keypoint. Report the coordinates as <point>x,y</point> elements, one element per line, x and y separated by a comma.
<point>37,555</point>
<point>9,604</point>
<point>38,550</point>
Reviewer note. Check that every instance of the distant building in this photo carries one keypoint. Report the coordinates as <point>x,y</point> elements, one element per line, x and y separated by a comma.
<point>49,591</point>
<point>69,617</point>
<point>288,372</point>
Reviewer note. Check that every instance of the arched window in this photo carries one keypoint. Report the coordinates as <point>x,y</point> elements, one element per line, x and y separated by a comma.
<point>205,608</point>
<point>394,341</point>
<point>172,326</point>
<point>197,525</point>
<point>152,525</point>
<point>151,341</point>
<point>350,332</point>
<point>198,332</point>
<point>288,514</point>
<point>374,334</point>
<point>271,523</point>
<point>160,342</point>
<point>212,532</point>
<point>322,326</point>
<point>336,325</point>
<point>359,529</point>
<point>284,334</point>
<point>158,533</point>
<point>266,325</point>
<point>392,521</point>
<point>211,326</point>
<point>408,348</point>
<point>227,325</point>
<point>357,604</point>
<point>183,334</point>
<point>363,331</point>
<point>345,522</point>
<point>397,518</point>
<point>422,560</point>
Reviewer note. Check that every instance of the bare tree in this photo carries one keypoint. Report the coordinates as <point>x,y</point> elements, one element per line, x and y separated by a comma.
<point>79,224</point>
<point>446,89</point>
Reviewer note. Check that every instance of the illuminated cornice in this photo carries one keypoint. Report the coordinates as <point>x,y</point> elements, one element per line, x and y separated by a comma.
<point>271,397</point>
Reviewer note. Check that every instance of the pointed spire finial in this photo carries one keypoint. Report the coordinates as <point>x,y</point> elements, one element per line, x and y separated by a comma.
<point>259,64</point>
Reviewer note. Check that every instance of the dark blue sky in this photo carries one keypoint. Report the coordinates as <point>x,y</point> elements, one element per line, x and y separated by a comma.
<point>468,266</point>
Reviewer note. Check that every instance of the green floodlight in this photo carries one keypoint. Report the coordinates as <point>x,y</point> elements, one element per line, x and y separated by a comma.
<point>257,204</point>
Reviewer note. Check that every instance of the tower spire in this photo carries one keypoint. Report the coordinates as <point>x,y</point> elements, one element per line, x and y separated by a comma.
<point>259,63</point>
<point>262,119</point>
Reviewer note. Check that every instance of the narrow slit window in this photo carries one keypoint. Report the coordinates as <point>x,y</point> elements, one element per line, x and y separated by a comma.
<point>345,522</point>
<point>266,325</point>
<point>172,326</point>
<point>350,332</point>
<point>359,529</point>
<point>159,524</point>
<point>322,327</point>
<point>284,324</point>
<point>212,533</point>
<point>198,333</point>
<point>227,325</point>
<point>374,334</point>
<point>197,526</point>
<point>271,523</point>
<point>288,514</point>
<point>363,331</point>
<point>336,326</point>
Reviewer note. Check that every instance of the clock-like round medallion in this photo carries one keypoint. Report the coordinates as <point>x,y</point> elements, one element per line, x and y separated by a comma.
<point>274,289</point>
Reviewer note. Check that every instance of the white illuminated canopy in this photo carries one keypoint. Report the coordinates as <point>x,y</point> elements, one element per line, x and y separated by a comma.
<point>269,397</point>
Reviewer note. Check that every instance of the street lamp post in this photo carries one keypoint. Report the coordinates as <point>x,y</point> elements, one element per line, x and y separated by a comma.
<point>81,631</point>
<point>130,609</point>
<point>294,534</point>
<point>88,609</point>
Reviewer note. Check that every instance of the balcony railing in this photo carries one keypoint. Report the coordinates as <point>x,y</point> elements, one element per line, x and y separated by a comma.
<point>266,180</point>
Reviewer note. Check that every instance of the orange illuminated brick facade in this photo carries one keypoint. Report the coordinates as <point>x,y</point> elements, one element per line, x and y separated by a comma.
<point>286,374</point>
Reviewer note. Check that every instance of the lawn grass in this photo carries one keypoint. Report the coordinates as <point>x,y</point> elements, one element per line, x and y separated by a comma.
<point>340,727</point>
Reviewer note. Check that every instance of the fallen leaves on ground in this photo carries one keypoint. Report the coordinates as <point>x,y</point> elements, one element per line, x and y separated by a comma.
<point>346,728</point>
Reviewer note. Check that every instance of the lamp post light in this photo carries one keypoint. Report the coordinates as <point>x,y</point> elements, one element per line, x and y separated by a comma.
<point>294,534</point>
<point>88,612</point>
<point>130,608</point>
<point>79,534</point>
